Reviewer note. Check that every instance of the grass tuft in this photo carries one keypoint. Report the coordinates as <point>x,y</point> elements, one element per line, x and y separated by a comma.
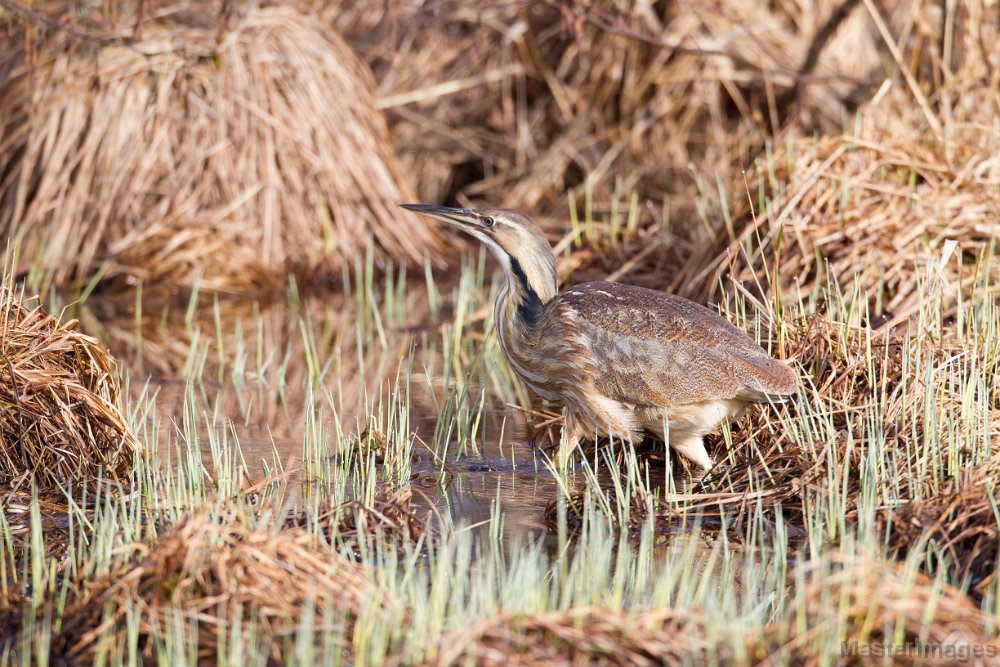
<point>61,420</point>
<point>215,573</point>
<point>220,148</point>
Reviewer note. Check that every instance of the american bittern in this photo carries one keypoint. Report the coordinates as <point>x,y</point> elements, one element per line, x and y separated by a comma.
<point>621,359</point>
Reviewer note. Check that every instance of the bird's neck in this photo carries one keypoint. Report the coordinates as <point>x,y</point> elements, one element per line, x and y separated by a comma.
<point>524,296</point>
<point>520,316</point>
<point>517,317</point>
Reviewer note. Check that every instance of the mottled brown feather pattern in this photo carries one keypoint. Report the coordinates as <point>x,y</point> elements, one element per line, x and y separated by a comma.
<point>623,360</point>
<point>659,349</point>
<point>551,358</point>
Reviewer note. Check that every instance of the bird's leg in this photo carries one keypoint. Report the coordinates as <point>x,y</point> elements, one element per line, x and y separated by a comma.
<point>692,448</point>
<point>569,440</point>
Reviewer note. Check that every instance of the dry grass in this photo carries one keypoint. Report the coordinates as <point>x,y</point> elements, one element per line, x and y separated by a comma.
<point>578,636</point>
<point>553,95</point>
<point>621,98</point>
<point>863,601</point>
<point>913,183</point>
<point>61,418</point>
<point>217,571</point>
<point>860,601</point>
<point>191,147</point>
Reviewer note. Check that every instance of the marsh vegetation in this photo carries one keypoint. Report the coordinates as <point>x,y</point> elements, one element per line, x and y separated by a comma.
<point>278,462</point>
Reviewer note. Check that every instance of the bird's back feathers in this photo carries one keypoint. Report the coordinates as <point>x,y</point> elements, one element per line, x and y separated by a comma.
<point>654,348</point>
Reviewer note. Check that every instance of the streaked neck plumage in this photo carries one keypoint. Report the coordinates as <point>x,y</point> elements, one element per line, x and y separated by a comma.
<point>522,301</point>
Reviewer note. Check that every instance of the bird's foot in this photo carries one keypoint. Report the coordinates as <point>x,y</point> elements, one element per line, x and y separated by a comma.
<point>569,440</point>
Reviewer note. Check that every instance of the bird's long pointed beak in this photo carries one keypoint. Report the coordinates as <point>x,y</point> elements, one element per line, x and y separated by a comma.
<point>461,217</point>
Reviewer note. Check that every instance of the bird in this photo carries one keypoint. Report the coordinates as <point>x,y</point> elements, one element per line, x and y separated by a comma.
<point>624,361</point>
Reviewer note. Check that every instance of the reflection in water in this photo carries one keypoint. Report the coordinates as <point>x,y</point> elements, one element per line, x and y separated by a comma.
<point>505,467</point>
<point>282,387</point>
<point>271,376</point>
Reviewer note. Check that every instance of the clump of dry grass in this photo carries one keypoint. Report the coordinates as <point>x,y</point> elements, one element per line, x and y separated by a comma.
<point>561,96</point>
<point>577,636</point>
<point>959,523</point>
<point>859,602</point>
<point>912,184</point>
<point>61,418</point>
<point>516,102</point>
<point>869,604</point>
<point>192,146</point>
<point>217,571</point>
<point>390,517</point>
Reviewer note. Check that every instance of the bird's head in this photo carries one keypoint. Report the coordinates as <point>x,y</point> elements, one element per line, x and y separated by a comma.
<point>514,238</point>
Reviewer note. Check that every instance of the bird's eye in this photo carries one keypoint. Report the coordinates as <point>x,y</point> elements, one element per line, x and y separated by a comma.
<point>489,221</point>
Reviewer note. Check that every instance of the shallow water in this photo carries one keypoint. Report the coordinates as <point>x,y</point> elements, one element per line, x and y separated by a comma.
<point>288,379</point>
<point>243,370</point>
<point>507,469</point>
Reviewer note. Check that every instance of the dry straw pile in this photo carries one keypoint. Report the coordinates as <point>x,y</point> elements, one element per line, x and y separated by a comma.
<point>859,601</point>
<point>188,145</point>
<point>515,103</point>
<point>855,601</point>
<point>912,185</point>
<point>678,99</point>
<point>579,636</point>
<point>218,571</point>
<point>61,417</point>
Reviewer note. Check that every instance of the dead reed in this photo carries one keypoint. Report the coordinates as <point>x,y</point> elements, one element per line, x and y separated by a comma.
<point>516,103</point>
<point>869,606</point>
<point>189,145</point>
<point>214,572</point>
<point>912,184</point>
<point>579,636</point>
<point>61,418</point>
<point>609,97</point>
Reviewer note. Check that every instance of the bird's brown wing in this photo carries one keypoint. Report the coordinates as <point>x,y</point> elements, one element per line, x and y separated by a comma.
<point>654,348</point>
